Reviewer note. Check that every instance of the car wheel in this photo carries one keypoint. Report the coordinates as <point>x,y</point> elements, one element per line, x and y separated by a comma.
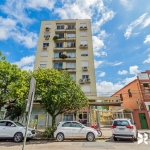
<point>115,139</point>
<point>135,139</point>
<point>18,137</point>
<point>90,137</point>
<point>60,137</point>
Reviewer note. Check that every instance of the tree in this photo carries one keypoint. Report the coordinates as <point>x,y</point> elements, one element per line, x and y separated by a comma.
<point>18,94</point>
<point>14,86</point>
<point>58,92</point>
<point>8,74</point>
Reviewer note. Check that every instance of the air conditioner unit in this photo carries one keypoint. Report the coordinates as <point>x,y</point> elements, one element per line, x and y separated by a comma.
<point>85,27</point>
<point>85,45</point>
<point>47,28</point>
<point>81,45</point>
<point>81,81</point>
<point>84,68</point>
<point>81,27</point>
<point>88,80</point>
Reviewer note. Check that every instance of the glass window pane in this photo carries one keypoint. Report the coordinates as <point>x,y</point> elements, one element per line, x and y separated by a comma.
<point>67,124</point>
<point>76,125</point>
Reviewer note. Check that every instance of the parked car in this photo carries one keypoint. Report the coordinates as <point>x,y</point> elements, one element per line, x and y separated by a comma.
<point>15,131</point>
<point>124,129</point>
<point>74,130</point>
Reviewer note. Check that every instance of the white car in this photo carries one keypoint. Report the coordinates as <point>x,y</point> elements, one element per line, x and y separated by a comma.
<point>74,130</point>
<point>14,130</point>
<point>124,129</point>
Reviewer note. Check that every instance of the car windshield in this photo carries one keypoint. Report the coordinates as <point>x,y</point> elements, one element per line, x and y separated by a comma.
<point>121,123</point>
<point>19,124</point>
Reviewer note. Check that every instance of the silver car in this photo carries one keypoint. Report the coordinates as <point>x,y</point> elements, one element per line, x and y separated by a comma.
<point>124,129</point>
<point>74,130</point>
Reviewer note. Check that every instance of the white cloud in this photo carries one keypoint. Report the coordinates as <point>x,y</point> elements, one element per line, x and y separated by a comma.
<point>102,74</point>
<point>133,25</point>
<point>128,80</point>
<point>98,44</point>
<point>147,60</point>
<point>128,4</point>
<point>123,72</point>
<point>16,10</point>
<point>25,61</point>
<point>28,39</point>
<point>116,63</point>
<point>134,70</point>
<point>106,88</point>
<point>98,63</point>
<point>38,4</point>
<point>146,22</point>
<point>147,39</point>
<point>28,68</point>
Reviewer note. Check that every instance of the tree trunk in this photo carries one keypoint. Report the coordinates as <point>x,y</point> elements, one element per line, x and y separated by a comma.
<point>53,120</point>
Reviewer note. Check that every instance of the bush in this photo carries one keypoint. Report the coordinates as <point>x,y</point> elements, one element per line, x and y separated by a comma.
<point>49,132</point>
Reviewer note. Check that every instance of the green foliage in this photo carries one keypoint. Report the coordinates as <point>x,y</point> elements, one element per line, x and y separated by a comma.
<point>14,88</point>
<point>63,56</point>
<point>55,38</point>
<point>33,123</point>
<point>59,93</point>
<point>49,132</point>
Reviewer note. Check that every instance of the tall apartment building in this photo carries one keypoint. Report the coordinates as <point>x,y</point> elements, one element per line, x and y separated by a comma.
<point>136,96</point>
<point>67,45</point>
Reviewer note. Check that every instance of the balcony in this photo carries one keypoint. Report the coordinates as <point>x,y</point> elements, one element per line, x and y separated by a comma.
<point>83,28</point>
<point>83,46</point>
<point>70,29</point>
<point>63,58</point>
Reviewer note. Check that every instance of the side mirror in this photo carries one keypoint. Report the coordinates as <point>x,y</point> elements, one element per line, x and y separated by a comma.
<point>12,125</point>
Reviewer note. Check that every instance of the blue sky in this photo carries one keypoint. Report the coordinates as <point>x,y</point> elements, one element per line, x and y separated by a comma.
<point>121,34</point>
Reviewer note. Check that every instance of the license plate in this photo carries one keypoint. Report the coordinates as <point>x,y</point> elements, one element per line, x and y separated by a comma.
<point>121,128</point>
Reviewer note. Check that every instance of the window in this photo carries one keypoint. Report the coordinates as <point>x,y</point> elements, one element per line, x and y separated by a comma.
<point>9,124</point>
<point>70,44</point>
<point>46,44</point>
<point>83,42</point>
<point>86,88</point>
<point>60,35</point>
<point>82,24</point>
<point>44,53</point>
<point>43,64</point>
<point>148,107</point>
<point>71,35</point>
<point>121,97</point>
<point>145,85</point>
<point>2,123</point>
<point>121,123</point>
<point>76,125</point>
<point>67,124</point>
<point>83,33</point>
<point>85,76</point>
<point>59,44</point>
<point>59,27</point>
<point>71,54</point>
<point>147,91</point>
<point>73,76</point>
<point>84,53</point>
<point>129,93</point>
<point>57,54</point>
<point>84,63</point>
<point>68,117</point>
<point>71,26</point>
<point>58,65</point>
<point>70,65</point>
<point>46,34</point>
